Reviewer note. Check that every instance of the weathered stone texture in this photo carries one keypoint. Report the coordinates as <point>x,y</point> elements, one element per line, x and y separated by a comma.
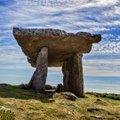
<point>38,79</point>
<point>61,45</point>
<point>52,47</point>
<point>73,75</point>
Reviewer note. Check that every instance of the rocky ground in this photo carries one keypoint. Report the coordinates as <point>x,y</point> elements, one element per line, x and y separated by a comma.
<point>19,104</point>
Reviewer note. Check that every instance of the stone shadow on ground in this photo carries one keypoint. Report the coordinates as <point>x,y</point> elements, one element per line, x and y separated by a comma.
<point>10,91</point>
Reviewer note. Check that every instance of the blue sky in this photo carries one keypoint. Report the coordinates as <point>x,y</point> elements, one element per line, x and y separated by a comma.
<point>94,16</point>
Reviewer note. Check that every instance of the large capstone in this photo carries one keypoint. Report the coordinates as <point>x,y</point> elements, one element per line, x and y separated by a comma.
<point>61,45</point>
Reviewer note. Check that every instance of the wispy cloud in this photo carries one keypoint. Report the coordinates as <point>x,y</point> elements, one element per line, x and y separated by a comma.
<point>95,16</point>
<point>107,48</point>
<point>102,67</point>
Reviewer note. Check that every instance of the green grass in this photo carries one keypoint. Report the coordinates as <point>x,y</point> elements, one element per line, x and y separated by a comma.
<point>9,91</point>
<point>7,115</point>
<point>27,105</point>
<point>106,95</point>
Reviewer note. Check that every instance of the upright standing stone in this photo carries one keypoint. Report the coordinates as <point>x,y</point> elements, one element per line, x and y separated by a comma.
<point>38,79</point>
<point>73,75</point>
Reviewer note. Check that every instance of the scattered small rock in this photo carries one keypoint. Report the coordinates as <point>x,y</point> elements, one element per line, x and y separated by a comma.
<point>100,101</point>
<point>70,112</point>
<point>69,95</point>
<point>49,87</point>
<point>4,108</point>
<point>59,88</point>
<point>49,93</point>
<point>6,114</point>
<point>94,109</point>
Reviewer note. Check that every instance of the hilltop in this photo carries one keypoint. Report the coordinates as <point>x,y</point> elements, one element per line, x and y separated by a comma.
<point>27,105</point>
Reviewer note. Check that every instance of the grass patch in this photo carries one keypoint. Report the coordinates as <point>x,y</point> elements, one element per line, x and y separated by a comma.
<point>106,95</point>
<point>9,91</point>
<point>6,114</point>
<point>28,105</point>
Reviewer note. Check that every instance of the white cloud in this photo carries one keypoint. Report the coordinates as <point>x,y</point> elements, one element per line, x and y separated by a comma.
<point>29,14</point>
<point>102,67</point>
<point>70,3</point>
<point>107,48</point>
<point>115,11</point>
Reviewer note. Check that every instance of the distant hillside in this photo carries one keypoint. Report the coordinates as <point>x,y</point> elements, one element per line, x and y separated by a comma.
<point>19,104</point>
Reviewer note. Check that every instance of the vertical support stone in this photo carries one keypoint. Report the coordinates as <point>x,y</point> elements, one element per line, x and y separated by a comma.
<point>38,79</point>
<point>73,75</point>
<point>65,75</point>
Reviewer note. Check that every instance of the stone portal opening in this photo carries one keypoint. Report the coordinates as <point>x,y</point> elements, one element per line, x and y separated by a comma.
<point>53,48</point>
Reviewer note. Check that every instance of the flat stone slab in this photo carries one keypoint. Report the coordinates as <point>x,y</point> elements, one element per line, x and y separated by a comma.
<point>61,45</point>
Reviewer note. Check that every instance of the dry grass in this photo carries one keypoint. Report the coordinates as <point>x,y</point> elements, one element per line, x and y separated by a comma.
<point>27,105</point>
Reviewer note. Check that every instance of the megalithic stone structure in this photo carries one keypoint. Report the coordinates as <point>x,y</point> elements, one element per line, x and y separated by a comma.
<point>53,48</point>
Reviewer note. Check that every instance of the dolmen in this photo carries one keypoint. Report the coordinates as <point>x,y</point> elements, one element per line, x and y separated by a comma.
<point>54,48</point>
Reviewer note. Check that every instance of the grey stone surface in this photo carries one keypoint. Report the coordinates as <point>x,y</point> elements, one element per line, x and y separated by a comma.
<point>39,77</point>
<point>73,75</point>
<point>69,95</point>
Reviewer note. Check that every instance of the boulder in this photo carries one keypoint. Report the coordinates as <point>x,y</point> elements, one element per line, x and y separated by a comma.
<point>59,88</point>
<point>69,95</point>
